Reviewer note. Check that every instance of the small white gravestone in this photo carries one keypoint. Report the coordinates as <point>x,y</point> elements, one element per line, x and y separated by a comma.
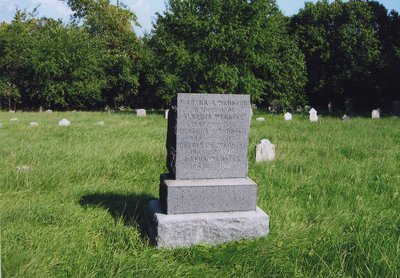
<point>141,112</point>
<point>33,124</point>
<point>99,123</point>
<point>11,111</point>
<point>64,122</point>
<point>260,119</point>
<point>49,111</point>
<point>375,114</point>
<point>313,115</point>
<point>1,125</point>
<point>288,116</point>
<point>345,117</point>
<point>166,113</point>
<point>14,119</point>
<point>265,151</point>
<point>24,168</point>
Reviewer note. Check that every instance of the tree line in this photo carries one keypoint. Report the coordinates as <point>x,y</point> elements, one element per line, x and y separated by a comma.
<point>340,52</point>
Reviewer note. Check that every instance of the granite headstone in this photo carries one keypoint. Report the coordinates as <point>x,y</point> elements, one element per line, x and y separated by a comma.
<point>208,136</point>
<point>207,196</point>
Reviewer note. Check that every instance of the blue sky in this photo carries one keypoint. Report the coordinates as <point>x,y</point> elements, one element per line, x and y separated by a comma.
<point>144,9</point>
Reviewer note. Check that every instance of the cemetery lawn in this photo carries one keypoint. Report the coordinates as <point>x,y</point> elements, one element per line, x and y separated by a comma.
<point>332,195</point>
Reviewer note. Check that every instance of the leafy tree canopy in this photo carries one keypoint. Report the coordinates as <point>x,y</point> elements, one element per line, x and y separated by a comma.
<point>233,46</point>
<point>343,43</point>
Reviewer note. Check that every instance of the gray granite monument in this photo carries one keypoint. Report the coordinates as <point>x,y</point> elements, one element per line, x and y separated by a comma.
<point>206,197</point>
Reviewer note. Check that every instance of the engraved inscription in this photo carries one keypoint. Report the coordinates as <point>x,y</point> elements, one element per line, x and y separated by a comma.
<point>212,136</point>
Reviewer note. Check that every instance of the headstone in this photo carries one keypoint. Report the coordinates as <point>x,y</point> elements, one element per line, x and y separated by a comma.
<point>375,114</point>
<point>33,124</point>
<point>166,113</point>
<point>345,117</point>
<point>99,123</point>
<point>14,119</point>
<point>265,151</point>
<point>206,197</point>
<point>313,115</point>
<point>24,168</point>
<point>208,136</point>
<point>1,125</point>
<point>11,111</point>
<point>330,107</point>
<point>141,112</point>
<point>288,116</point>
<point>396,108</point>
<point>260,119</point>
<point>49,111</point>
<point>64,122</point>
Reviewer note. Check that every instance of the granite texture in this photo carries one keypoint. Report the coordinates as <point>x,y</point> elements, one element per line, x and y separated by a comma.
<point>208,136</point>
<point>183,230</point>
<point>207,195</point>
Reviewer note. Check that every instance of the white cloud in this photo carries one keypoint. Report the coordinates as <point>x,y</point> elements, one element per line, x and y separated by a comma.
<point>65,11</point>
<point>138,4</point>
<point>139,7</point>
<point>53,8</point>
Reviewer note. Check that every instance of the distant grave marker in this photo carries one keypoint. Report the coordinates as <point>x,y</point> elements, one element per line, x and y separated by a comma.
<point>141,113</point>
<point>313,115</point>
<point>375,114</point>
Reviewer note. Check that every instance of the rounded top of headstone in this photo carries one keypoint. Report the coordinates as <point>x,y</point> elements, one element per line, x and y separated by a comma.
<point>313,111</point>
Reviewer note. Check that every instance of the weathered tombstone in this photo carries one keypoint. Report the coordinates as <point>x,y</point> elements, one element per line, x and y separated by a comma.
<point>49,111</point>
<point>1,125</point>
<point>375,114</point>
<point>345,117</point>
<point>313,115</point>
<point>99,123</point>
<point>166,113</point>
<point>330,107</point>
<point>24,168</point>
<point>11,111</point>
<point>207,196</point>
<point>14,119</point>
<point>141,112</point>
<point>33,124</point>
<point>288,116</point>
<point>396,108</point>
<point>260,119</point>
<point>265,151</point>
<point>64,122</point>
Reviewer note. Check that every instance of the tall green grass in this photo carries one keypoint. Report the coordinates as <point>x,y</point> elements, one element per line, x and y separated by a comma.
<point>332,195</point>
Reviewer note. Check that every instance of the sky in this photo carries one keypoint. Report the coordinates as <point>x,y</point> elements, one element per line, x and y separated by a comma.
<point>144,9</point>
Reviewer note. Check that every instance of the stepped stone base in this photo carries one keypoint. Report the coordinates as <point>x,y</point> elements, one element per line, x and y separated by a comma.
<point>207,195</point>
<point>182,230</point>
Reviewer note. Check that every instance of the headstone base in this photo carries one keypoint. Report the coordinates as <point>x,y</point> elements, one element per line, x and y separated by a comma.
<point>207,195</point>
<point>182,230</point>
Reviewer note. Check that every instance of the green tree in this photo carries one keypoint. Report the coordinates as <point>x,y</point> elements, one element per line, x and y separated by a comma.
<point>234,46</point>
<point>52,65</point>
<point>343,52</point>
<point>113,25</point>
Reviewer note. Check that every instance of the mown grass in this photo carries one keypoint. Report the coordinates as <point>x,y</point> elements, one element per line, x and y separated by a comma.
<point>332,195</point>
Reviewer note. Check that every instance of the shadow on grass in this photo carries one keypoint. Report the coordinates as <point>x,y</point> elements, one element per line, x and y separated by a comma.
<point>130,208</point>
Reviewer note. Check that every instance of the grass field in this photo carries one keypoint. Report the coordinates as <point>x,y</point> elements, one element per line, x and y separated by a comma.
<point>332,195</point>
